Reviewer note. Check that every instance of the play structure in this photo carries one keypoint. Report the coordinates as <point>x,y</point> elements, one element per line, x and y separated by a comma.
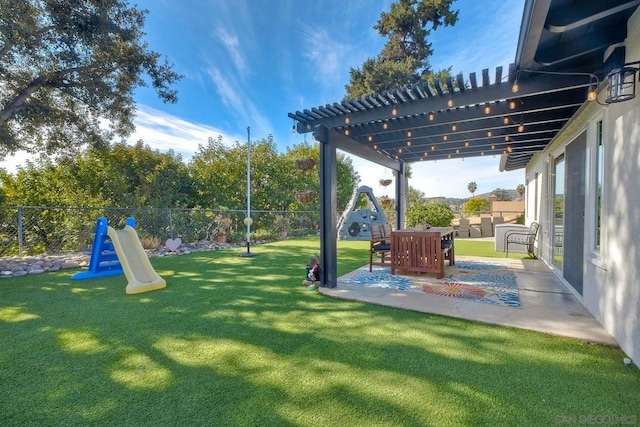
<point>116,252</point>
<point>354,223</point>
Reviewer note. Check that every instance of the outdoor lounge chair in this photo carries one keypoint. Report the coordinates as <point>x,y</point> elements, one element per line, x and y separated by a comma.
<point>522,238</point>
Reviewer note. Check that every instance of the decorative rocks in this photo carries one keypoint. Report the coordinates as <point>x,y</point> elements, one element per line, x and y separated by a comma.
<point>21,266</point>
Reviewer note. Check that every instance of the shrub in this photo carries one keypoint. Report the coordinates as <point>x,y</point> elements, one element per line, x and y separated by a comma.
<point>476,205</point>
<point>150,242</point>
<point>262,234</point>
<point>432,213</point>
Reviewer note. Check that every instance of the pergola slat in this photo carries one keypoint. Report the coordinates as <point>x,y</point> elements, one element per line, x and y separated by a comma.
<point>449,82</point>
<point>485,77</point>
<point>438,86</point>
<point>473,81</point>
<point>460,81</point>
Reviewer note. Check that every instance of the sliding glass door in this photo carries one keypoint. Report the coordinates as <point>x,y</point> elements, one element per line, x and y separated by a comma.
<point>558,211</point>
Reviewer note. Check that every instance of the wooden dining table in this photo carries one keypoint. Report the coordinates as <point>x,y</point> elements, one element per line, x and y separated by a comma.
<point>422,250</point>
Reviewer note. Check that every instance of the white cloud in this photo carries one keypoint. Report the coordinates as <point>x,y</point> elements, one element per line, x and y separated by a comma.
<point>164,132</point>
<point>235,98</point>
<point>227,89</point>
<point>326,55</point>
<point>161,131</point>
<point>230,42</point>
<point>484,37</point>
<point>447,178</point>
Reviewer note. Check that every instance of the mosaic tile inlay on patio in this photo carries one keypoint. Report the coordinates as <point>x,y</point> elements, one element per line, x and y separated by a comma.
<point>491,283</point>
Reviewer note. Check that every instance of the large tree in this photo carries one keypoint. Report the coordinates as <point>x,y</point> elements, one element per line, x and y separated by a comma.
<point>502,195</point>
<point>219,174</point>
<point>132,176</point>
<point>404,60</point>
<point>68,70</point>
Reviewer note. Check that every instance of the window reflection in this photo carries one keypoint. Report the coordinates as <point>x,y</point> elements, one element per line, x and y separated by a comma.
<point>558,208</point>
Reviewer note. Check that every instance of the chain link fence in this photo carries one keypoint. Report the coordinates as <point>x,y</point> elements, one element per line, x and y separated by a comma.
<point>34,230</point>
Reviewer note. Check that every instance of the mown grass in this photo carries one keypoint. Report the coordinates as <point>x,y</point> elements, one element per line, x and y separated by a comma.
<point>239,341</point>
<point>483,248</point>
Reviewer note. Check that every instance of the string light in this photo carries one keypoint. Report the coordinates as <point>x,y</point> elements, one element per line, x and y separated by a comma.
<point>505,120</point>
<point>521,127</point>
<point>408,143</point>
<point>450,102</point>
<point>347,120</point>
<point>394,111</point>
<point>445,137</point>
<point>489,133</point>
<point>431,116</point>
<point>454,127</point>
<point>408,134</point>
<point>385,125</point>
<point>487,109</point>
<point>346,132</point>
<point>370,138</point>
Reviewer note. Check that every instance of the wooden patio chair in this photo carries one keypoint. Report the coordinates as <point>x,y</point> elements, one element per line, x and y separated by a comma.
<point>522,238</point>
<point>380,243</point>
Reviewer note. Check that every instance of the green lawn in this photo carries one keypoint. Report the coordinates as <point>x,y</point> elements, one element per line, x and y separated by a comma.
<point>239,341</point>
<point>483,248</point>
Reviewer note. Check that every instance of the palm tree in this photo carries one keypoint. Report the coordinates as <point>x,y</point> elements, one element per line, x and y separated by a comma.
<point>520,190</point>
<point>472,187</point>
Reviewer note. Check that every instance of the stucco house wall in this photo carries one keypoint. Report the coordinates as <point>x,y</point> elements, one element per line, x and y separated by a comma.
<point>611,289</point>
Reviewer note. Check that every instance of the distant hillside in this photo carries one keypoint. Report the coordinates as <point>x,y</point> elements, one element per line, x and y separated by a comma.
<point>512,193</point>
<point>454,201</point>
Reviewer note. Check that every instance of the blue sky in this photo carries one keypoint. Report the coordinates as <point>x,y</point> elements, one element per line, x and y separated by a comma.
<point>249,63</point>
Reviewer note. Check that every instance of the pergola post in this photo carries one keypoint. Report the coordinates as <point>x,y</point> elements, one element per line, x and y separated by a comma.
<point>402,185</point>
<point>328,208</point>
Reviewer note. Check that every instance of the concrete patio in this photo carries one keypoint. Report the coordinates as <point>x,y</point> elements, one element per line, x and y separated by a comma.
<point>546,304</point>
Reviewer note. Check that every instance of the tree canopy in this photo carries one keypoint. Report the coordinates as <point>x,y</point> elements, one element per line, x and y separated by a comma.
<point>404,60</point>
<point>138,176</point>
<point>68,70</point>
<point>432,213</point>
<point>476,205</point>
<point>502,195</point>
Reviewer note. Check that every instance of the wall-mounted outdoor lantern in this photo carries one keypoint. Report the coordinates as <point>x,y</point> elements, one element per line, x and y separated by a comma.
<point>621,84</point>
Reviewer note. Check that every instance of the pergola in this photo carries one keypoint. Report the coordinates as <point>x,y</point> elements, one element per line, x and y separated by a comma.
<point>565,49</point>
